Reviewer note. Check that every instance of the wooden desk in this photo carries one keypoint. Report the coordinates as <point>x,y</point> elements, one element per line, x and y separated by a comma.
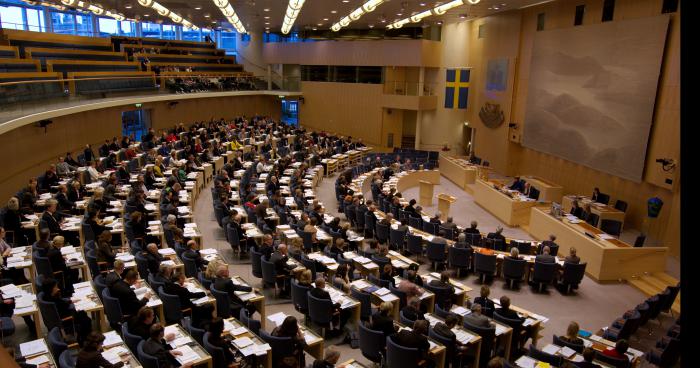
<point>203,356</point>
<point>236,329</point>
<point>409,179</point>
<point>512,211</point>
<point>255,297</point>
<point>458,171</point>
<point>604,212</point>
<point>608,259</point>
<point>115,350</point>
<point>549,191</point>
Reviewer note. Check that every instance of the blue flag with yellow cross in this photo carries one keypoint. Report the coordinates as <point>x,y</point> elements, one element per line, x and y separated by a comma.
<point>456,88</point>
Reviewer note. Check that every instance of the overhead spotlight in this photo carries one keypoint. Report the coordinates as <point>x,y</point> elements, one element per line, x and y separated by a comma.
<point>127,6</point>
<point>197,8</point>
<point>266,9</point>
<point>474,2</point>
<point>207,15</point>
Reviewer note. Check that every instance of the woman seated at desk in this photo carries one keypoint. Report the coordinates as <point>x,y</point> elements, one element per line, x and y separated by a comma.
<point>576,210</point>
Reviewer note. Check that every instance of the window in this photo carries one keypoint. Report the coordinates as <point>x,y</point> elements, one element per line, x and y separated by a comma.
<point>245,37</point>
<point>344,74</point>
<point>83,25</point>
<point>208,32</point>
<point>190,35</point>
<point>669,6</point>
<point>369,74</point>
<point>35,20</point>
<point>127,28</point>
<point>228,41</point>
<point>608,10</point>
<point>150,30</point>
<point>314,73</point>
<point>11,17</point>
<point>63,23</point>
<point>540,21</point>
<point>108,26</point>
<point>580,10</point>
<point>169,32</point>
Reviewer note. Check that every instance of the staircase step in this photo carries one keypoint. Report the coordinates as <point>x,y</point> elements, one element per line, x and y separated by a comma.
<point>652,280</point>
<point>644,287</point>
<point>669,280</point>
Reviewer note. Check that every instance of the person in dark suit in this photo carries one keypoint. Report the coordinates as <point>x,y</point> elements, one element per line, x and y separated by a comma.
<point>576,210</point>
<point>192,252</point>
<point>223,282</point>
<point>116,274</point>
<point>90,356</point>
<point>572,257</point>
<point>216,330</point>
<point>153,258</point>
<point>121,289</point>
<point>290,328</point>
<point>415,338</point>
<point>53,294</point>
<point>403,227</point>
<point>340,316</point>
<point>505,310</point>
<point>412,310</point>
<point>444,282</point>
<point>51,217</point>
<point>518,184</point>
<point>140,324</point>
<point>201,314</point>
<point>159,348</point>
<point>382,319</point>
<point>388,274</point>
<point>484,300</point>
<point>104,250</point>
<point>410,208</point>
<point>476,318</point>
<point>279,258</point>
<point>497,235</point>
<point>472,229</point>
<point>595,195</point>
<point>548,243</point>
<point>444,329</point>
<point>65,205</point>
<point>545,257</point>
<point>462,242</point>
<point>588,356</point>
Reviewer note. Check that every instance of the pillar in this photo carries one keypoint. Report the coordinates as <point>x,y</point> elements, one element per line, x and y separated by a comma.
<point>419,117</point>
<point>421,81</point>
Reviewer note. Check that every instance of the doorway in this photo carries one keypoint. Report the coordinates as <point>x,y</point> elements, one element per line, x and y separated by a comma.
<point>290,112</point>
<point>468,139</point>
<point>136,123</point>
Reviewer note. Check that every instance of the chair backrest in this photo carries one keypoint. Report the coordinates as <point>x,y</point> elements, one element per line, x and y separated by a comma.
<point>430,227</point>
<point>91,259</point>
<point>255,261</point>
<point>603,198</point>
<point>310,264</point>
<point>459,257</point>
<point>68,359</point>
<point>473,239</point>
<point>621,205</point>
<point>206,283</point>
<point>268,271</point>
<point>172,307</point>
<point>559,342</point>
<point>155,284</point>
<point>49,312</point>
<point>372,343</point>
<point>573,273</point>
<point>223,303</point>
<point>87,231</point>
<point>113,308</point>
<point>299,299</point>
<point>488,335</point>
<point>281,346</point>
<point>611,361</point>
<point>401,356</point>
<point>56,342</point>
<point>402,295</point>
<point>485,263</point>
<point>415,222</point>
<point>308,241</point>
<point>382,232</point>
<point>442,313</point>
<point>513,268</point>
<point>671,293</point>
<point>131,340</point>
<point>525,248</point>
<point>443,296</point>
<point>396,238</point>
<point>147,360</point>
<point>611,227</point>
<point>414,244</point>
<point>141,265</point>
<point>232,237</point>
<point>43,266</point>
<point>365,300</point>
<point>89,245</point>
<point>377,281</point>
<point>370,219</point>
<point>436,251</point>
<point>544,272</point>
<point>592,219</point>
<point>252,324</point>
<point>217,353</point>
<point>320,310</point>
<point>540,355</point>
<point>405,320</point>
<point>190,265</point>
<point>449,344</point>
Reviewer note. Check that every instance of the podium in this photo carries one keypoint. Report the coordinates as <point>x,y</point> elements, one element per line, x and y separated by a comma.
<point>426,193</point>
<point>444,202</point>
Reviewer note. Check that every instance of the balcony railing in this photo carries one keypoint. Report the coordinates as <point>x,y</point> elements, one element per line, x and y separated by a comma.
<point>404,88</point>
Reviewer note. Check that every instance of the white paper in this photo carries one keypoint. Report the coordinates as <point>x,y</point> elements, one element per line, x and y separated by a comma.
<point>277,318</point>
<point>33,347</point>
<point>41,359</point>
<point>551,349</point>
<point>242,342</point>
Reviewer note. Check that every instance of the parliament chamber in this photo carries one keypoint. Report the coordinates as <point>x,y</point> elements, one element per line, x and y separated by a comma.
<point>341,183</point>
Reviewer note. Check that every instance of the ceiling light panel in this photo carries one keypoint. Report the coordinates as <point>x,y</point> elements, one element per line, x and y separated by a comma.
<point>165,12</point>
<point>290,16</point>
<point>94,8</point>
<point>438,10</point>
<point>367,7</point>
<point>230,14</point>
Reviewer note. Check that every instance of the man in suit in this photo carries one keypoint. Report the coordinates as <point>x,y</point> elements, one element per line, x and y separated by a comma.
<point>193,253</point>
<point>415,338</point>
<point>116,274</point>
<point>497,234</point>
<point>449,224</point>
<point>121,289</point>
<point>157,346</point>
<point>51,217</point>
<point>462,242</point>
<point>382,319</point>
<point>223,283</point>
<point>436,219</point>
<point>588,356</point>
<point>518,184</point>
<point>153,258</point>
<point>444,329</point>
<point>545,257</point>
<point>472,229</point>
<point>403,227</point>
<point>548,243</point>
<point>572,257</point>
<point>279,258</point>
<point>412,310</point>
<point>476,318</point>
<point>440,239</point>
<point>340,316</point>
<point>444,282</point>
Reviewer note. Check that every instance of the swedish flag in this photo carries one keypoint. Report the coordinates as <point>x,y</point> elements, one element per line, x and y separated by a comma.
<point>456,88</point>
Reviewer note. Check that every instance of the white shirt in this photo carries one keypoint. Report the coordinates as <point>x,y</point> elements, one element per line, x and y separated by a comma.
<point>259,168</point>
<point>94,174</point>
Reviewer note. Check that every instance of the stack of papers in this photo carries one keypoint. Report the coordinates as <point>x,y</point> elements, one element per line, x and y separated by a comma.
<point>277,318</point>
<point>526,362</point>
<point>112,339</point>
<point>113,355</point>
<point>180,341</point>
<point>188,355</point>
<point>10,291</point>
<point>33,348</point>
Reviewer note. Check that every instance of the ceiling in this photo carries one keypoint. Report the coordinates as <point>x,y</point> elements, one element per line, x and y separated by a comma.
<point>256,15</point>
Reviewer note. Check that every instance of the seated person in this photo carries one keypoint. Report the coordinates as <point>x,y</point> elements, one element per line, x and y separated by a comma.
<point>201,314</point>
<point>572,334</point>
<point>340,316</point>
<point>66,310</point>
<point>588,356</point>
<point>153,258</point>
<point>517,184</point>
<point>223,283</point>
<point>382,320</point>
<point>548,243</point>
<point>157,346</point>
<point>290,328</point>
<point>140,324</point>
<point>311,228</point>
<point>341,278</point>
<point>121,289</point>
<point>444,282</point>
<point>282,269</point>
<point>90,356</point>
<point>413,277</point>
<point>618,351</point>
<point>444,329</point>
<point>381,257</point>
<point>412,310</point>
<point>371,248</point>
<point>408,285</point>
<point>484,300</point>
<point>572,257</point>
<point>416,338</point>
<point>514,253</point>
<point>576,210</point>
<point>497,235</point>
<point>192,251</point>
<point>545,257</point>
<point>476,318</point>
<point>305,278</point>
<point>332,357</point>
<point>104,250</point>
<point>506,312</point>
<point>216,330</point>
<point>472,229</point>
<point>388,274</point>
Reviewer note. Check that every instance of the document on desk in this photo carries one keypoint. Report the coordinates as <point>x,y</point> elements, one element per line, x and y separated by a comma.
<point>188,355</point>
<point>382,291</point>
<point>551,349</point>
<point>309,338</point>
<point>111,339</point>
<point>460,310</point>
<point>41,359</point>
<point>242,342</point>
<point>277,318</point>
<point>500,329</point>
<point>33,347</point>
<point>526,362</point>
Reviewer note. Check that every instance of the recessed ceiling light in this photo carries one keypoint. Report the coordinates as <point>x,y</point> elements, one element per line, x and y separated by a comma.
<point>439,22</point>
<point>266,9</point>
<point>422,4</point>
<point>314,28</point>
<point>333,11</point>
<point>383,20</point>
<point>462,16</point>
<point>128,6</point>
<point>267,17</point>
<point>346,1</point>
<point>371,26</point>
<point>146,15</point>
<point>197,8</point>
<point>267,23</point>
<point>325,19</point>
<point>319,24</point>
<point>495,8</point>
<point>213,21</point>
<point>399,14</point>
<point>206,15</point>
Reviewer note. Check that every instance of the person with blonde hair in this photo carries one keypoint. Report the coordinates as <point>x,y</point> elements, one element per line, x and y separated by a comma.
<point>571,336</point>
<point>212,266</point>
<point>305,278</point>
<point>12,221</point>
<point>382,320</point>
